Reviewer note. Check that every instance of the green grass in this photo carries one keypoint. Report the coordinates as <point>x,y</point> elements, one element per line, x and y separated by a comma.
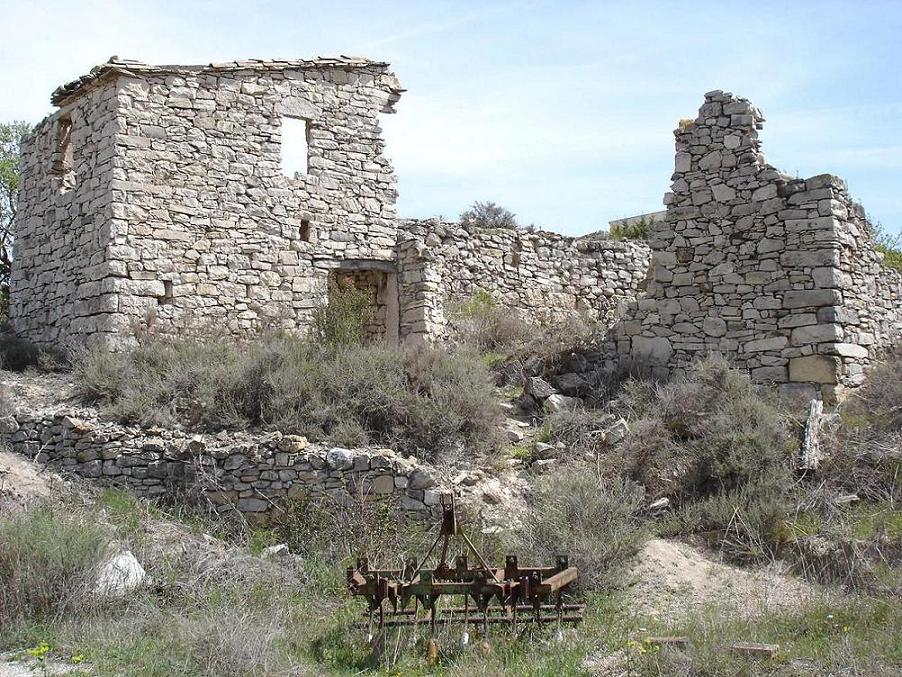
<point>849,636</point>
<point>892,258</point>
<point>308,627</point>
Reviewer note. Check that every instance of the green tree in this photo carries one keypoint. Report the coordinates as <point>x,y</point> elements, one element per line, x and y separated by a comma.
<point>889,243</point>
<point>11,135</point>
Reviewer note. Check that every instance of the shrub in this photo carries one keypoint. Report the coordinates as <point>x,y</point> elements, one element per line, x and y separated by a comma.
<point>47,563</point>
<point>17,355</point>
<point>641,230</point>
<point>875,408</point>
<point>342,321</point>
<point>330,534</point>
<point>708,431</point>
<point>488,215</point>
<point>488,327</point>
<point>592,518</point>
<point>746,524</point>
<point>889,244</point>
<point>863,448</point>
<point>579,430</point>
<point>720,448</point>
<point>520,347</point>
<point>420,401</point>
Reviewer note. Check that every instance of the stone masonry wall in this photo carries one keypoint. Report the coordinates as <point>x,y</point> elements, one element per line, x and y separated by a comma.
<point>234,471</point>
<point>778,274</point>
<point>209,209</point>
<point>198,222</point>
<point>542,275</point>
<point>61,279</point>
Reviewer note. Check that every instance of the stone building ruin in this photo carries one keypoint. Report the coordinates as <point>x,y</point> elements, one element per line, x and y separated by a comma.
<point>160,190</point>
<point>778,274</point>
<point>164,191</point>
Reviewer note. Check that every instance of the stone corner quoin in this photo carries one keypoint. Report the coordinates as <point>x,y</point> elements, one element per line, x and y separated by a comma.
<point>160,191</point>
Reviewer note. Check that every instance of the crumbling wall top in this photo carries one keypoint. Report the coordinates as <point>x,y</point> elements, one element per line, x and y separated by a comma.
<point>130,67</point>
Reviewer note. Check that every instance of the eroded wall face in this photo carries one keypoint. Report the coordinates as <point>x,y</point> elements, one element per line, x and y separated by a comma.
<point>61,285</point>
<point>207,227</point>
<point>543,276</point>
<point>775,273</point>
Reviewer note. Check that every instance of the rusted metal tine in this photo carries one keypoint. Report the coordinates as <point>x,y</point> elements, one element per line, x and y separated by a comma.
<point>559,580</point>
<point>497,609</point>
<point>491,620</point>
<point>516,589</point>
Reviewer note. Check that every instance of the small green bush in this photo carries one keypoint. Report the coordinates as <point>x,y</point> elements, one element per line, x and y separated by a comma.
<point>863,451</point>
<point>48,560</point>
<point>343,320</point>
<point>746,525</point>
<point>330,534</point>
<point>420,401</point>
<point>889,244</point>
<point>483,324</point>
<point>18,355</point>
<point>641,230</point>
<point>721,449</point>
<point>579,430</point>
<point>517,346</point>
<point>593,519</point>
<point>875,409</point>
<point>488,215</point>
<point>709,431</point>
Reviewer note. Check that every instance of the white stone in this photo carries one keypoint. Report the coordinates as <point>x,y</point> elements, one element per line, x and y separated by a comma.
<point>119,575</point>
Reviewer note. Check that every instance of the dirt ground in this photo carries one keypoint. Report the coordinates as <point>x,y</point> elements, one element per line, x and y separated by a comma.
<point>23,482</point>
<point>670,578</point>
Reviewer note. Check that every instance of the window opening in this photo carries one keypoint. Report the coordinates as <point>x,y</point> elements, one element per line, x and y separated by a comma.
<point>295,146</point>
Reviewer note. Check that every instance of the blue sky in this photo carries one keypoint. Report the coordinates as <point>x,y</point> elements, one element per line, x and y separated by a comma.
<point>561,111</point>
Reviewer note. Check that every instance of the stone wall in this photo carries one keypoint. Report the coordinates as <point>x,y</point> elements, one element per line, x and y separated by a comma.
<point>776,273</point>
<point>62,278</point>
<point>233,470</point>
<point>542,275</point>
<point>190,217</point>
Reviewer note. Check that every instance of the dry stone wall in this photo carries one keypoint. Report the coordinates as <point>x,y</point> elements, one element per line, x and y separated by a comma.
<point>541,275</point>
<point>178,212</point>
<point>776,273</point>
<point>61,277</point>
<point>239,471</point>
<point>157,192</point>
<point>185,210</point>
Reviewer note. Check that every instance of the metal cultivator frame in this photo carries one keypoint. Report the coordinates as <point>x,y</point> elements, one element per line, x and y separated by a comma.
<point>534,594</point>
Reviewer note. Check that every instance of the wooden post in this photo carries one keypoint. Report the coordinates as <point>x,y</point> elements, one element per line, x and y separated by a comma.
<point>811,444</point>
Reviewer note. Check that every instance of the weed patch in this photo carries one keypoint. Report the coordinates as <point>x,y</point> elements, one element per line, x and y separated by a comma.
<point>420,401</point>
<point>593,519</point>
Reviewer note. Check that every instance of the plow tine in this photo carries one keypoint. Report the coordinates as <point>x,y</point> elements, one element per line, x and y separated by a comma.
<point>535,591</point>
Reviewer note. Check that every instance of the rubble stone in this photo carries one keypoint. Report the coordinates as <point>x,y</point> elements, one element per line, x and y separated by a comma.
<point>778,274</point>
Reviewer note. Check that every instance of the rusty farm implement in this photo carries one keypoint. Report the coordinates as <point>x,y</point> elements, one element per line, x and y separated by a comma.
<point>469,592</point>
